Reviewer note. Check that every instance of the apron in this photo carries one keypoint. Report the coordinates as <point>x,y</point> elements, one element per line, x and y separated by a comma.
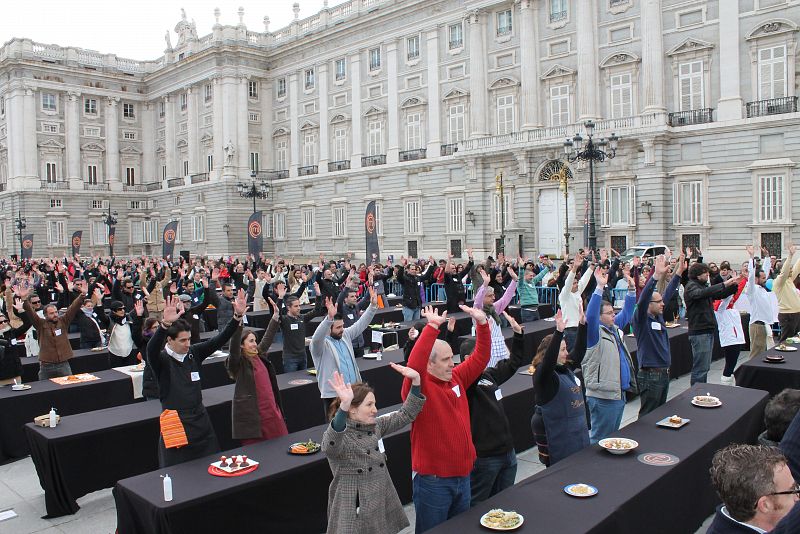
<point>565,419</point>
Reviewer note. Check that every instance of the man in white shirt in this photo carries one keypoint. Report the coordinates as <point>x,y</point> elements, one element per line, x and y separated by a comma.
<point>760,305</point>
<point>570,299</point>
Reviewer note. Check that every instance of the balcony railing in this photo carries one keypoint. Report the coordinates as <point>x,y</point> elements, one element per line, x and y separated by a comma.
<point>693,116</point>
<point>455,43</point>
<point>369,161</point>
<point>773,106</point>
<point>411,155</point>
<point>558,15</point>
<point>307,170</point>
<point>175,182</point>
<point>338,165</point>
<point>155,186</point>
<point>134,188</point>
<point>200,178</point>
<point>94,187</point>
<point>283,173</point>
<point>54,186</point>
<point>449,150</point>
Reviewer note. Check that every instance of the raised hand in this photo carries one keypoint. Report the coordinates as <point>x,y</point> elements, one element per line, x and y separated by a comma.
<point>240,303</point>
<point>792,250</point>
<point>750,251</point>
<point>280,291</point>
<point>432,315</point>
<point>485,277</point>
<point>601,278</point>
<point>373,296</point>
<point>660,267</point>
<point>515,326</point>
<point>636,261</point>
<point>274,307</point>
<point>171,312</point>
<point>18,305</point>
<point>681,264</point>
<point>332,307</point>
<point>561,324</point>
<point>407,372</point>
<point>21,292</point>
<point>138,307</point>
<point>343,391</point>
<point>476,313</point>
<point>97,295</point>
<point>451,324</point>
<point>512,272</point>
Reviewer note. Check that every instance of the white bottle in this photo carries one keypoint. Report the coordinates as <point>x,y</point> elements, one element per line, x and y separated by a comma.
<point>167,488</point>
<point>52,417</point>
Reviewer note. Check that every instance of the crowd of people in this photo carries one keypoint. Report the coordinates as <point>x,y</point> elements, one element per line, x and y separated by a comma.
<point>152,310</point>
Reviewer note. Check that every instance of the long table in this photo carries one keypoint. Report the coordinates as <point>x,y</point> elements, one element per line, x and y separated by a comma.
<point>121,441</point>
<point>295,488</point>
<point>634,497</point>
<point>772,377</point>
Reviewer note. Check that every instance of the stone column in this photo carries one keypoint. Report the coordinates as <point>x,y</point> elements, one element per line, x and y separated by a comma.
<point>324,142</point>
<point>477,75</point>
<point>652,56</point>
<point>169,135</point>
<point>588,64</point>
<point>267,159</point>
<point>73,134</point>
<point>393,112</point>
<point>730,102</point>
<point>243,128</point>
<point>193,138</point>
<point>529,51</point>
<point>112,143</point>
<point>31,145</point>
<point>434,101</point>
<point>355,102</point>
<point>294,136</point>
<point>219,137</point>
<point>149,171</point>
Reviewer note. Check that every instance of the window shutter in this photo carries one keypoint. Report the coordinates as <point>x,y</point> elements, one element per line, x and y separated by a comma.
<point>49,234</point>
<point>604,203</point>
<point>676,207</point>
<point>632,205</point>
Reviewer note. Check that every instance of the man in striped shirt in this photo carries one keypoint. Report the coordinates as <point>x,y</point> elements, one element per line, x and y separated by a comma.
<point>493,308</point>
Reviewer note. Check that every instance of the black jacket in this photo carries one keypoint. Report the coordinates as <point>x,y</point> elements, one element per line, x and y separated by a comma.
<point>491,431</point>
<point>411,286</point>
<point>699,304</point>
<point>88,328</point>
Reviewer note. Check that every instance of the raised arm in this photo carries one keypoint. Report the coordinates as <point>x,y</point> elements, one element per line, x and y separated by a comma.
<point>420,354</point>
<point>204,349</point>
<point>593,318</point>
<point>469,371</point>
<point>511,290</point>
<point>584,281</point>
<point>272,329</point>
<point>234,361</point>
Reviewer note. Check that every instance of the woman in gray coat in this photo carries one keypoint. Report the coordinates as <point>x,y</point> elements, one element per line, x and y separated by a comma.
<point>362,498</point>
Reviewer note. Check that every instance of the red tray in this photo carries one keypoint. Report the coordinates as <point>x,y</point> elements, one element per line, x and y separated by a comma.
<point>217,472</point>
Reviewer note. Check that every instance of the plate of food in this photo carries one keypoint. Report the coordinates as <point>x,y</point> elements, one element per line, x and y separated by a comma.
<point>549,319</point>
<point>775,359</point>
<point>580,490</point>
<point>706,401</point>
<point>137,368</point>
<point>618,445</point>
<point>233,466</point>
<point>673,421</point>
<point>785,348</point>
<point>20,387</point>
<point>311,371</point>
<point>372,356</point>
<point>305,447</point>
<point>672,325</point>
<point>499,519</point>
<point>97,349</point>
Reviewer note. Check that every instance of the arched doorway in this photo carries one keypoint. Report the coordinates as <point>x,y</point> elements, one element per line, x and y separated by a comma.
<point>552,208</point>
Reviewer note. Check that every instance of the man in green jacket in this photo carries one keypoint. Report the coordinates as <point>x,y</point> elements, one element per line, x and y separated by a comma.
<point>528,294</point>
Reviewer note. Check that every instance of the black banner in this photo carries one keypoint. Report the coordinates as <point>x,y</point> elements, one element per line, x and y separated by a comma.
<point>255,235</point>
<point>76,242</point>
<point>371,230</point>
<point>168,239</point>
<point>27,247</point>
<point>111,236</point>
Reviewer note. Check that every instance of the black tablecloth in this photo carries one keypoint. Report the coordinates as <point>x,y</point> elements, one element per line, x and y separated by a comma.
<point>295,488</point>
<point>121,440</point>
<point>772,377</point>
<point>634,497</point>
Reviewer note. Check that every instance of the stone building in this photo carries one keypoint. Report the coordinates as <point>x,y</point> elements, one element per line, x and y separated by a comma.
<point>419,106</point>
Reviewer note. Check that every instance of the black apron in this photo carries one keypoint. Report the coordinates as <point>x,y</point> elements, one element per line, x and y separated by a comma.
<point>565,419</point>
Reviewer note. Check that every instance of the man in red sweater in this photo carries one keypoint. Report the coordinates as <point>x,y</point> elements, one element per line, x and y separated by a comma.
<point>442,453</point>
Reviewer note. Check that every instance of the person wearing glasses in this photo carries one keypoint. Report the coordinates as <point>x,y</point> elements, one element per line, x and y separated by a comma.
<point>651,336</point>
<point>758,488</point>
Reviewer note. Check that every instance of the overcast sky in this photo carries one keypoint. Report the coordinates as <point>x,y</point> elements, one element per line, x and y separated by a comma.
<point>135,29</point>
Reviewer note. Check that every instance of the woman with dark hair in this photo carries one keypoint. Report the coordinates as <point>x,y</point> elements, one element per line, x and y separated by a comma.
<point>559,420</point>
<point>256,410</point>
<point>362,497</point>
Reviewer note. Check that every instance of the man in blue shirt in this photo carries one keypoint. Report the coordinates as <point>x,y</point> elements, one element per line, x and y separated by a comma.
<point>608,366</point>
<point>652,339</point>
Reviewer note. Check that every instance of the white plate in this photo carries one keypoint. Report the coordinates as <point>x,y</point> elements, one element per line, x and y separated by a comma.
<point>371,356</point>
<point>786,349</point>
<point>702,405</point>
<point>23,388</point>
<point>549,319</point>
<point>605,443</point>
<point>515,527</point>
<point>568,489</point>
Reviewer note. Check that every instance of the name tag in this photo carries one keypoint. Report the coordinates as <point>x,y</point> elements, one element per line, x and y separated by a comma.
<point>419,283</point>
<point>94,315</point>
<point>498,394</point>
<point>457,390</point>
<point>138,296</point>
<point>196,317</point>
<point>655,326</point>
<point>124,321</point>
<point>195,376</point>
<point>380,446</point>
<point>57,331</point>
<point>295,326</point>
<point>244,319</point>
<point>13,341</point>
<point>349,315</point>
<point>195,299</point>
<point>577,380</point>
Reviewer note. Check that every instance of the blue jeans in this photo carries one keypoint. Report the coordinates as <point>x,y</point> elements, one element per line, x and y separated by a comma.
<point>437,499</point>
<point>410,314</point>
<point>570,335</point>
<point>702,347</point>
<point>653,388</point>
<point>529,315</point>
<point>606,416</point>
<point>491,475</point>
<point>294,364</point>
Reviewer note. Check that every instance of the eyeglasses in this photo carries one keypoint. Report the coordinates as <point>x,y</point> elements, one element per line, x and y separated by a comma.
<point>656,301</point>
<point>36,302</point>
<point>3,321</point>
<point>794,491</point>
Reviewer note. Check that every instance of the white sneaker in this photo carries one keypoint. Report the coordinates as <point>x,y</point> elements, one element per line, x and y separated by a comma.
<point>727,380</point>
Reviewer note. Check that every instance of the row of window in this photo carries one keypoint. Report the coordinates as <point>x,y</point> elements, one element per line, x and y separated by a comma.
<point>140,231</point>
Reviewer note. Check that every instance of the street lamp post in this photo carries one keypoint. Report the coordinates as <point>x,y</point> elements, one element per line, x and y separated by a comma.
<point>255,189</point>
<point>563,184</point>
<point>21,225</point>
<point>591,152</point>
<point>499,185</point>
<point>110,220</point>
